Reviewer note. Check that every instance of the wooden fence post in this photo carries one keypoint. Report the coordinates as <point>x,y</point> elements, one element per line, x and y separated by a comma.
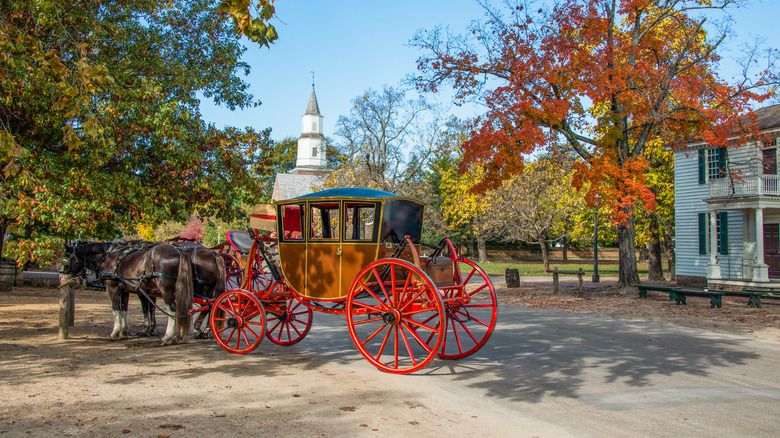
<point>579,277</point>
<point>555,281</point>
<point>67,303</point>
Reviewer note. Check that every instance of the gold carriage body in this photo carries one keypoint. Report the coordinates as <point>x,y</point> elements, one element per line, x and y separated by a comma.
<point>326,238</point>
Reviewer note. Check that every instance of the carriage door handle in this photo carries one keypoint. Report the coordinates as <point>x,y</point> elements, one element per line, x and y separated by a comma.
<point>338,252</point>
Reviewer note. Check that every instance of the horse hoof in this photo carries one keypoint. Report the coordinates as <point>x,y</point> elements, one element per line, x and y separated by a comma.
<point>201,335</point>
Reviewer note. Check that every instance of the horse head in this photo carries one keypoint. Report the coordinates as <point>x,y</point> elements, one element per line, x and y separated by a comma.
<point>70,263</point>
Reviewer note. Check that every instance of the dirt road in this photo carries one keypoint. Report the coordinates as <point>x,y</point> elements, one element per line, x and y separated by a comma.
<point>90,386</point>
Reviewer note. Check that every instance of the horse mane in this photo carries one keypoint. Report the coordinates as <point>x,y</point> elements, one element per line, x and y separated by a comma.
<point>92,248</point>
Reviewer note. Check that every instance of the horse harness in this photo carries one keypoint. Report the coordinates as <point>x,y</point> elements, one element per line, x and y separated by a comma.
<point>129,281</point>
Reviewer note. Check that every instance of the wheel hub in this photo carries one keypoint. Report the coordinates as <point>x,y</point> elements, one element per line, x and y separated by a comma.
<point>391,317</point>
<point>233,322</point>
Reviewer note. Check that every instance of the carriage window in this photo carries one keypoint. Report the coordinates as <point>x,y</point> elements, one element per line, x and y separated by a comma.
<point>402,218</point>
<point>292,222</point>
<point>324,221</point>
<point>360,219</point>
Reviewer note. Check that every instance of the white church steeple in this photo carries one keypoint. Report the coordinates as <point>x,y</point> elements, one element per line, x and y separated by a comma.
<point>311,144</point>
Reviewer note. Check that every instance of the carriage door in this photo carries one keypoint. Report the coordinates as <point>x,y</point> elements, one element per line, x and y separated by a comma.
<point>323,251</point>
<point>359,245</point>
<point>292,245</point>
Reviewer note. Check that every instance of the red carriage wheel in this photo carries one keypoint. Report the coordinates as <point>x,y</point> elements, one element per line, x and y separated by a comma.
<point>234,273</point>
<point>471,311</point>
<point>238,321</point>
<point>289,321</point>
<point>395,316</point>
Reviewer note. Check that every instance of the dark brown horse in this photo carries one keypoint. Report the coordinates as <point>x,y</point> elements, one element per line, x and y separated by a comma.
<point>209,277</point>
<point>149,270</point>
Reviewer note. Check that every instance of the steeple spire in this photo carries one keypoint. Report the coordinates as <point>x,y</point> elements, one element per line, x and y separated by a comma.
<point>313,108</point>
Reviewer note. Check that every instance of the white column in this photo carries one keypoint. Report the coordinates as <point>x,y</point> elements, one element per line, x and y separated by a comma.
<point>748,246</point>
<point>713,268</point>
<point>760,269</point>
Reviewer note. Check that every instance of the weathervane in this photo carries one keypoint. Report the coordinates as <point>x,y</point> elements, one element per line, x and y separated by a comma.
<point>312,78</point>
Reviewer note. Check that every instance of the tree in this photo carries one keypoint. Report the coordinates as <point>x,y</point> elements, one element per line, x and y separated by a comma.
<point>655,228</point>
<point>536,202</point>
<point>386,141</point>
<point>605,76</point>
<point>472,216</point>
<point>99,123</point>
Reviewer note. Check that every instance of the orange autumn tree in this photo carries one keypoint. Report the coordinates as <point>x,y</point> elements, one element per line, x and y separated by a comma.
<point>603,77</point>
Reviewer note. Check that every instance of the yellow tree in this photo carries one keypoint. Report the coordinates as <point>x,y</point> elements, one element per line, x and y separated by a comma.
<point>472,216</point>
<point>537,204</point>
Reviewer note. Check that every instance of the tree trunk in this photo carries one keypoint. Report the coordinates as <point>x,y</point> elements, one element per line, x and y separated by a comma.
<point>654,264</point>
<point>565,249</point>
<point>669,250</point>
<point>627,271</point>
<point>482,249</point>
<point>545,255</point>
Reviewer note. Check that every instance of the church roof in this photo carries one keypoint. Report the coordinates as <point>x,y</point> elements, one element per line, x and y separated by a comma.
<point>313,107</point>
<point>293,185</point>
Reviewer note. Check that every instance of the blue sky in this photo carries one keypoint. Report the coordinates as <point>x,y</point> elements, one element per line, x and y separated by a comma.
<point>354,45</point>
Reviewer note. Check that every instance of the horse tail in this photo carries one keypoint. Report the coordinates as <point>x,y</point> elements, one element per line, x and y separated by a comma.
<point>219,288</point>
<point>184,293</point>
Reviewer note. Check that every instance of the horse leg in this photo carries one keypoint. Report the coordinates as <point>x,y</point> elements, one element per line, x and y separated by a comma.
<point>124,331</point>
<point>150,320</point>
<point>170,330</point>
<point>120,313</point>
<point>202,334</point>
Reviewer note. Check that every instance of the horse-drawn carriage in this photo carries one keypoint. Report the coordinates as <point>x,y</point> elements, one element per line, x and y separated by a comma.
<point>359,253</point>
<point>356,252</point>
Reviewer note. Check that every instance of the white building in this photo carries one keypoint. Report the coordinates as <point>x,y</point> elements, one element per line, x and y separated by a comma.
<point>310,165</point>
<point>727,211</point>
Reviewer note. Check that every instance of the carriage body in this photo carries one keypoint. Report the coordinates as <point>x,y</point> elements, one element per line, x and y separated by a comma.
<point>325,239</point>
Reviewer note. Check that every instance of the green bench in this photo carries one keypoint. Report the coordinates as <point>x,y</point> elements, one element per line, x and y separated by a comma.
<point>716,297</point>
<point>644,288</point>
<point>765,294</point>
<point>753,296</point>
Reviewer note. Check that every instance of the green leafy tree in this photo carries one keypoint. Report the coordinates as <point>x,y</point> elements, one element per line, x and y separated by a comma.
<point>99,123</point>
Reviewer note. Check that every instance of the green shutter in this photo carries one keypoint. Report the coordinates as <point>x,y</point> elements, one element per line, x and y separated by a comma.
<point>723,234</point>
<point>702,233</point>
<point>702,166</point>
<point>721,162</point>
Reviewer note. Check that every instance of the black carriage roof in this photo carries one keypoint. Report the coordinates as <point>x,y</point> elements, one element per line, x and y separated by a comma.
<point>351,192</point>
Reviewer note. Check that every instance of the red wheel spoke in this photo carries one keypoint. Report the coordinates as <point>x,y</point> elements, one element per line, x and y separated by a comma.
<point>471,274</point>
<point>384,341</point>
<point>399,330</point>
<point>411,301</point>
<point>467,330</point>
<point>471,318</point>
<point>278,322</point>
<point>421,325</point>
<point>477,290</point>
<point>381,284</point>
<point>369,307</point>
<point>416,337</point>
<point>376,332</point>
<point>366,288</point>
<point>363,321</point>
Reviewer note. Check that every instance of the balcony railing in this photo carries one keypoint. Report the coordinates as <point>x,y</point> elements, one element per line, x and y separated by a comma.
<point>744,186</point>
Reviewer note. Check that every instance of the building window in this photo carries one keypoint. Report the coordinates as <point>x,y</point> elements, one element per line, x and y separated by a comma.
<point>314,151</point>
<point>712,164</point>
<point>769,161</point>
<point>721,225</point>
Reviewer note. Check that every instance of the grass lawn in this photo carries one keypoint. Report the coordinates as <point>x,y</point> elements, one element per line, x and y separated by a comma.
<point>537,269</point>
